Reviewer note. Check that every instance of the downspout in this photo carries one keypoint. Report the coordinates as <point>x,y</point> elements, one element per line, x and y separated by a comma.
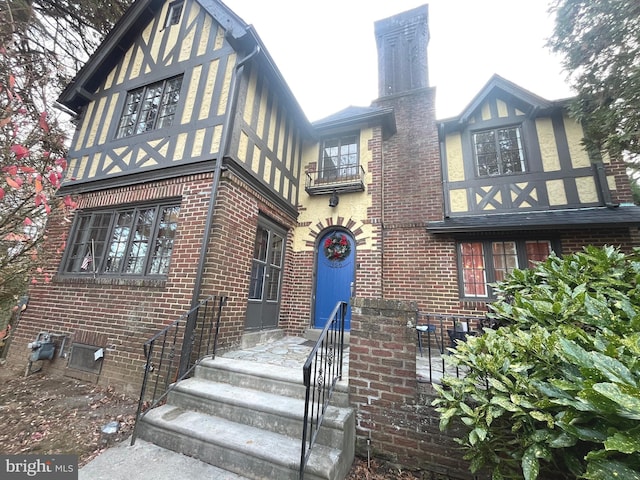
<point>217,173</point>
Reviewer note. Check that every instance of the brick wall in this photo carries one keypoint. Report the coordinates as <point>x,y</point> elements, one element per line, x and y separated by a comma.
<point>124,313</point>
<point>394,418</point>
<point>624,238</point>
<point>416,266</point>
<point>622,192</point>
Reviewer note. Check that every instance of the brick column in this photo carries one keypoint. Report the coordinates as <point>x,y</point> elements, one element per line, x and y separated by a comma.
<point>382,370</point>
<point>394,420</point>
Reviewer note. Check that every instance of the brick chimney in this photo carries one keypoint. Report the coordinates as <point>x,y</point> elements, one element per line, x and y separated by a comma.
<point>402,51</point>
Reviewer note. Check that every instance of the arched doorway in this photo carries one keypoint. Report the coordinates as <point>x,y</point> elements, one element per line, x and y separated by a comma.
<point>335,274</point>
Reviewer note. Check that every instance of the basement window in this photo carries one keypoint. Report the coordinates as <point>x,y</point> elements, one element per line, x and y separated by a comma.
<point>86,358</point>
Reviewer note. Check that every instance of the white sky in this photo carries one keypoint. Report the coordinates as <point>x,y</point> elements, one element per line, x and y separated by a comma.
<point>326,50</point>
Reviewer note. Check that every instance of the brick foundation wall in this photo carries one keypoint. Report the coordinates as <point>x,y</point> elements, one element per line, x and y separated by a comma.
<point>394,417</point>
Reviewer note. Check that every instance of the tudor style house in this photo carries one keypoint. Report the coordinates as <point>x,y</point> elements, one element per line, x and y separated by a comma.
<point>196,172</point>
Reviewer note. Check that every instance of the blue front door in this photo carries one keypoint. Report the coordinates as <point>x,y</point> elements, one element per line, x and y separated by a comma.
<point>335,275</point>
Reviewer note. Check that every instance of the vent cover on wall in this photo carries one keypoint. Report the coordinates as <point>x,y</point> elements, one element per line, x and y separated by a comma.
<point>87,358</point>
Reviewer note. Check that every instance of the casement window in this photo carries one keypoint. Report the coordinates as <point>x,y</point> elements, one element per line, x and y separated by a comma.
<point>150,107</point>
<point>339,158</point>
<point>481,263</point>
<point>499,151</point>
<point>174,13</point>
<point>129,241</point>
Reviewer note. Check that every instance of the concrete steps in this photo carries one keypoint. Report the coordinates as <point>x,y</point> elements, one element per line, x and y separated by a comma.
<point>246,418</point>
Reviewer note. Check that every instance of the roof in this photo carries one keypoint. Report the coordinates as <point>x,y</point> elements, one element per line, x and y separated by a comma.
<point>353,117</point>
<point>577,218</point>
<point>535,103</point>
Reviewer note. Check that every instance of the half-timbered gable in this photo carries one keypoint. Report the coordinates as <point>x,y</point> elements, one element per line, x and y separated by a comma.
<point>512,151</point>
<point>515,160</point>
<point>269,134</point>
<point>169,102</point>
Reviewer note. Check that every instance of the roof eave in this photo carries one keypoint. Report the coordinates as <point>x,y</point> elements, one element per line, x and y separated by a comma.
<point>384,117</point>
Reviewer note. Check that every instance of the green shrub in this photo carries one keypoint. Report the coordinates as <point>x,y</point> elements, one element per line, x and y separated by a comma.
<point>554,391</point>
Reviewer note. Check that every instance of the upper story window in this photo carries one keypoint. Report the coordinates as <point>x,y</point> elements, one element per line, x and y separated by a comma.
<point>174,13</point>
<point>499,151</point>
<point>136,241</point>
<point>484,262</point>
<point>150,107</point>
<point>339,158</point>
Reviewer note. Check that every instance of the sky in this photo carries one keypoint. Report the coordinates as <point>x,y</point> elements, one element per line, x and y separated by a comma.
<point>326,50</point>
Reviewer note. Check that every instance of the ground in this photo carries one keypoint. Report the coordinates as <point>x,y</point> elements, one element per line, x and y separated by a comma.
<point>44,414</point>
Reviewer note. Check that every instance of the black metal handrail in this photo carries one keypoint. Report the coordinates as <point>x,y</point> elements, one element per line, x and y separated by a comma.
<point>161,365</point>
<point>347,178</point>
<point>321,372</point>
<point>439,333</point>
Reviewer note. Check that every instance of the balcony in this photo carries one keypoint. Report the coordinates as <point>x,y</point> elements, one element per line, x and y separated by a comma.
<point>345,179</point>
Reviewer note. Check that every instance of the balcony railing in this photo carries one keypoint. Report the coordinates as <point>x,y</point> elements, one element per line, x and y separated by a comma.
<point>349,178</point>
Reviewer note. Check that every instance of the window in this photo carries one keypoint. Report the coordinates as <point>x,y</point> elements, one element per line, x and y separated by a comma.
<point>339,158</point>
<point>484,262</point>
<point>267,266</point>
<point>136,241</point>
<point>499,151</point>
<point>174,13</point>
<point>150,107</point>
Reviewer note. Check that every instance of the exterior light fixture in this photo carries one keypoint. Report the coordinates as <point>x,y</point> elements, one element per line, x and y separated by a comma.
<point>334,200</point>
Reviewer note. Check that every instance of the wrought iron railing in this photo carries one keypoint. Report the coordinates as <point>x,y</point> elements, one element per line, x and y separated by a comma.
<point>321,373</point>
<point>162,353</point>
<point>437,334</point>
<point>348,178</point>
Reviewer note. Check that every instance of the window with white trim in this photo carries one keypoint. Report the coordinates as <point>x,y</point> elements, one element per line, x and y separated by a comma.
<point>128,241</point>
<point>484,262</point>
<point>150,107</point>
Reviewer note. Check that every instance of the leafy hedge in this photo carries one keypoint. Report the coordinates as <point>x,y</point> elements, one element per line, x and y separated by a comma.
<point>554,392</point>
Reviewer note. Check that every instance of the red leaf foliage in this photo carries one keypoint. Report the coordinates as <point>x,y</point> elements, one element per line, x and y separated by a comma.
<point>20,151</point>
<point>14,183</point>
<point>43,122</point>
